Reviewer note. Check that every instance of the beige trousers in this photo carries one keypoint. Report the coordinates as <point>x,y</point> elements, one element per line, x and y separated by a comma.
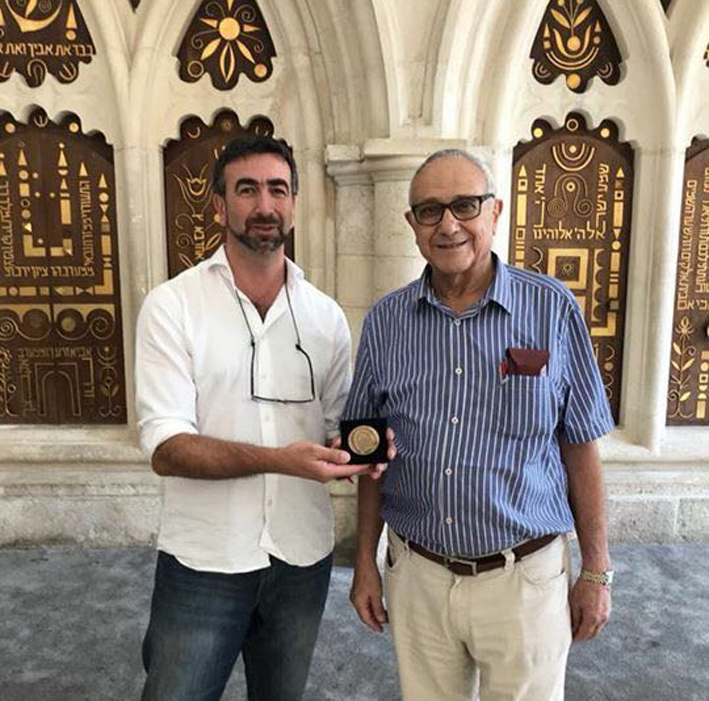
<point>503,635</point>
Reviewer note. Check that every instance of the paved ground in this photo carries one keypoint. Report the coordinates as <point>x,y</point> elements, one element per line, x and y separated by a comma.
<point>71,624</point>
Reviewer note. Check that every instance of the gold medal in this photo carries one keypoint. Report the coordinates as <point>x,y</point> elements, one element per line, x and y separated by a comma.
<point>363,440</point>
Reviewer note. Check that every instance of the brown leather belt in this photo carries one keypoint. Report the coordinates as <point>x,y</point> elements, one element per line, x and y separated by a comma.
<point>471,567</point>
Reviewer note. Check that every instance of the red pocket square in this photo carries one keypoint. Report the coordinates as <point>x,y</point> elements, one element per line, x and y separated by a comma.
<point>527,361</point>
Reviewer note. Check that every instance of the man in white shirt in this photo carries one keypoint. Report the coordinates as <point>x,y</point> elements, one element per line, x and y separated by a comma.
<point>242,369</point>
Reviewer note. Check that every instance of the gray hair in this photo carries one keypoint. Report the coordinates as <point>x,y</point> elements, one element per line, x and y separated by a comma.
<point>477,161</point>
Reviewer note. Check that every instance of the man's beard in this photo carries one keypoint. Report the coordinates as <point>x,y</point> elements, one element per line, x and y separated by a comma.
<point>256,243</point>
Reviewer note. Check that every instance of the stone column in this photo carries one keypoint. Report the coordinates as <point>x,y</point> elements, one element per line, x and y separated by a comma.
<point>391,165</point>
<point>354,233</point>
<point>397,260</point>
<point>651,285</point>
<point>376,248</point>
<point>375,253</point>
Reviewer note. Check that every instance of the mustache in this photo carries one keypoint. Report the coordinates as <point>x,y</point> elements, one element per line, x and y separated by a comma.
<point>264,220</point>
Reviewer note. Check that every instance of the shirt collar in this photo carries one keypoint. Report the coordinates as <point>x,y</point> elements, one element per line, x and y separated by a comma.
<point>220,261</point>
<point>499,291</point>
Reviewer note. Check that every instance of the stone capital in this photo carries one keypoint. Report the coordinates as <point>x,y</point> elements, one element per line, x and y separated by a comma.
<point>382,160</point>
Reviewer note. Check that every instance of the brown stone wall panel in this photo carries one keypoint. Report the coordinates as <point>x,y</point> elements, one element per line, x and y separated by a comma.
<point>43,36</point>
<point>225,39</point>
<point>688,393</point>
<point>576,41</point>
<point>193,231</point>
<point>571,219</point>
<point>60,314</point>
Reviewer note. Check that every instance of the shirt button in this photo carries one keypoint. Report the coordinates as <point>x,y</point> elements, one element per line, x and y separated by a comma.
<point>449,520</point>
<point>454,420</point>
<point>269,502</point>
<point>449,472</point>
<point>459,371</point>
<point>457,322</point>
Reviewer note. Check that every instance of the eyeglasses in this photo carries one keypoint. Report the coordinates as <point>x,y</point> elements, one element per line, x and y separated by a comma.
<point>298,348</point>
<point>462,208</point>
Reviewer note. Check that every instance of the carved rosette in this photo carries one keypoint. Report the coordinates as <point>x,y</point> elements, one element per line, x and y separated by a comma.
<point>225,39</point>
<point>193,228</point>
<point>575,40</point>
<point>571,219</point>
<point>43,36</point>
<point>60,318</point>
<point>688,392</point>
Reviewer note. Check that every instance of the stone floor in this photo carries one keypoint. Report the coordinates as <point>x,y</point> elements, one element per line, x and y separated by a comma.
<point>71,623</point>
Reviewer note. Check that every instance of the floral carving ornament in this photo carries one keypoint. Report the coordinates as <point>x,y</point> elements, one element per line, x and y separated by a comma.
<point>225,39</point>
<point>575,40</point>
<point>43,36</point>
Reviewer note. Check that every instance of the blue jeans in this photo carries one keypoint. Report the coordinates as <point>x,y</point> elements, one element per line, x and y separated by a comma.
<point>201,621</point>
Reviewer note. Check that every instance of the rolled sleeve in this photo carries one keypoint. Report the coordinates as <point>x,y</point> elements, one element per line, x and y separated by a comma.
<point>586,415</point>
<point>165,391</point>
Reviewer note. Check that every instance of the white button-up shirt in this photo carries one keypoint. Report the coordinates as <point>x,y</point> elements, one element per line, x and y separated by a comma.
<point>193,375</point>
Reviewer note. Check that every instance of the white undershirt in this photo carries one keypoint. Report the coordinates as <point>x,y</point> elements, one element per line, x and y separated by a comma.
<point>193,359</point>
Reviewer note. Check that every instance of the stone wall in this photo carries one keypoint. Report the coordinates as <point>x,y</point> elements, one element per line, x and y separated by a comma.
<point>364,89</point>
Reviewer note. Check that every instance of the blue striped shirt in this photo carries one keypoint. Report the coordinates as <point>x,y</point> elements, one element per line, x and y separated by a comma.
<point>479,466</point>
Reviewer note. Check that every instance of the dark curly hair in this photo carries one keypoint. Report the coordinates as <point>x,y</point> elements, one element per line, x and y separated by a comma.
<point>247,145</point>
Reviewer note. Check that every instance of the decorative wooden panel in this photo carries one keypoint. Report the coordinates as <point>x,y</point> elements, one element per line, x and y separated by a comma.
<point>571,217</point>
<point>61,348</point>
<point>225,39</point>
<point>575,40</point>
<point>43,36</point>
<point>193,229</point>
<point>688,393</point>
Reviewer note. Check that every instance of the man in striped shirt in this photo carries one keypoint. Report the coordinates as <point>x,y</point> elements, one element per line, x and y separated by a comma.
<point>487,375</point>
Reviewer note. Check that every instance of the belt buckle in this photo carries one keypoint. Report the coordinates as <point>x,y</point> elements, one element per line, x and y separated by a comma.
<point>448,561</point>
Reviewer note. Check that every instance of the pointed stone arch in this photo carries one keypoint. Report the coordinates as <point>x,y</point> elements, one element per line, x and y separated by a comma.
<point>316,94</point>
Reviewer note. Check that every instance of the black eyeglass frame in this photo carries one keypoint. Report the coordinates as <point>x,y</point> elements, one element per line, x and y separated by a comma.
<point>298,347</point>
<point>480,199</point>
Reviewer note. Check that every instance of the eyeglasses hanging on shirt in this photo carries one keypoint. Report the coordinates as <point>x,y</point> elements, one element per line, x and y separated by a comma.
<point>298,347</point>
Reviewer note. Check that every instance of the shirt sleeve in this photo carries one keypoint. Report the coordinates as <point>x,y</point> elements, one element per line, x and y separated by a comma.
<point>586,414</point>
<point>165,390</point>
<point>362,400</point>
<point>338,379</point>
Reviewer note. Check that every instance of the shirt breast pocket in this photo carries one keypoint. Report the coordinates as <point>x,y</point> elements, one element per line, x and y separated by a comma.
<point>527,407</point>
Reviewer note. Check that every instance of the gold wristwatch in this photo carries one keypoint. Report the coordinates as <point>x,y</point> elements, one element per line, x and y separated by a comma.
<point>603,578</point>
